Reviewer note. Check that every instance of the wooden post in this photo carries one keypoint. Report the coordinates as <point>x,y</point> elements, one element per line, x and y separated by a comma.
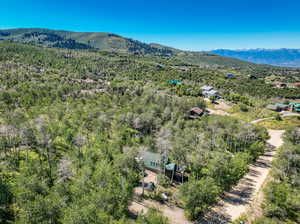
<point>143,182</point>
<point>172,176</point>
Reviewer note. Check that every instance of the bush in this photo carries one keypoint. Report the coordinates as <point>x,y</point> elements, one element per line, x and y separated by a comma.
<point>243,107</point>
<point>163,180</point>
<point>198,196</point>
<point>278,117</point>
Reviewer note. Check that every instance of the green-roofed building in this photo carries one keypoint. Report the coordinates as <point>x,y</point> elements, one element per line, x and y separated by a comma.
<point>153,161</point>
<point>175,83</point>
<point>295,106</point>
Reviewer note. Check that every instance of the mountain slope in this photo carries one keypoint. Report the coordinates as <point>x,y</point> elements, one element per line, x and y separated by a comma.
<point>113,42</point>
<point>277,57</point>
<point>81,40</point>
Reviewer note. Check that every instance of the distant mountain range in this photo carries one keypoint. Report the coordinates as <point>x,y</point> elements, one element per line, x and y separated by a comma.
<point>278,57</point>
<point>112,42</point>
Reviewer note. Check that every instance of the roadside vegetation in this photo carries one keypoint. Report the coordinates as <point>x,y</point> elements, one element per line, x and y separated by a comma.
<point>282,194</point>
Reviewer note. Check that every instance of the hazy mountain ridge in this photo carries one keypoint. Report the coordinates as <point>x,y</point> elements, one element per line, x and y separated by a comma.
<point>278,57</point>
<point>113,42</point>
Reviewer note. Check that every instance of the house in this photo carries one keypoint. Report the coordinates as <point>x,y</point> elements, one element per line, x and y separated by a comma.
<point>281,107</point>
<point>295,107</point>
<point>175,83</point>
<point>277,107</point>
<point>252,76</point>
<point>280,84</point>
<point>271,107</point>
<point>230,76</point>
<point>207,88</point>
<point>195,113</point>
<point>210,93</point>
<point>152,161</point>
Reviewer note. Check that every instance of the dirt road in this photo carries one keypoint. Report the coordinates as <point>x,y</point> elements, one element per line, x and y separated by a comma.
<point>174,214</point>
<point>236,202</point>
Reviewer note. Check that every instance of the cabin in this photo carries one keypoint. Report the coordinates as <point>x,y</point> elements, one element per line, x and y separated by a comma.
<point>230,76</point>
<point>195,113</point>
<point>157,162</point>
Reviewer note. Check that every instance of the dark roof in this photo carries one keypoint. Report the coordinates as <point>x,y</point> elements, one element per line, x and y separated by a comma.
<point>230,76</point>
<point>253,76</point>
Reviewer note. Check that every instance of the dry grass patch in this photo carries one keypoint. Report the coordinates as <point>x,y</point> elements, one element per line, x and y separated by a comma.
<point>285,123</point>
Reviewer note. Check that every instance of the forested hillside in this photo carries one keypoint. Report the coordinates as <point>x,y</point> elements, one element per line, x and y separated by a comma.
<point>115,43</point>
<point>73,122</point>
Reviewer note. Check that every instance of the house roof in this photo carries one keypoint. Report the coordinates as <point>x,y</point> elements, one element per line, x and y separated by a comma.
<point>271,107</point>
<point>207,88</point>
<point>279,83</point>
<point>171,166</point>
<point>175,82</point>
<point>210,92</point>
<point>196,110</point>
<point>295,104</point>
<point>280,105</point>
<point>230,75</point>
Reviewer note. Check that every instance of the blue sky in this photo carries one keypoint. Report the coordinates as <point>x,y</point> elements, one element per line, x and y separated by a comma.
<point>184,24</point>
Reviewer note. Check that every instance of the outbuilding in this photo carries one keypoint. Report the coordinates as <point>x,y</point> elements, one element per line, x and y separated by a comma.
<point>195,113</point>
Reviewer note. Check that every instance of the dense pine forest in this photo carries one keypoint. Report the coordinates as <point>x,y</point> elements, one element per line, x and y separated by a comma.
<point>73,123</point>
